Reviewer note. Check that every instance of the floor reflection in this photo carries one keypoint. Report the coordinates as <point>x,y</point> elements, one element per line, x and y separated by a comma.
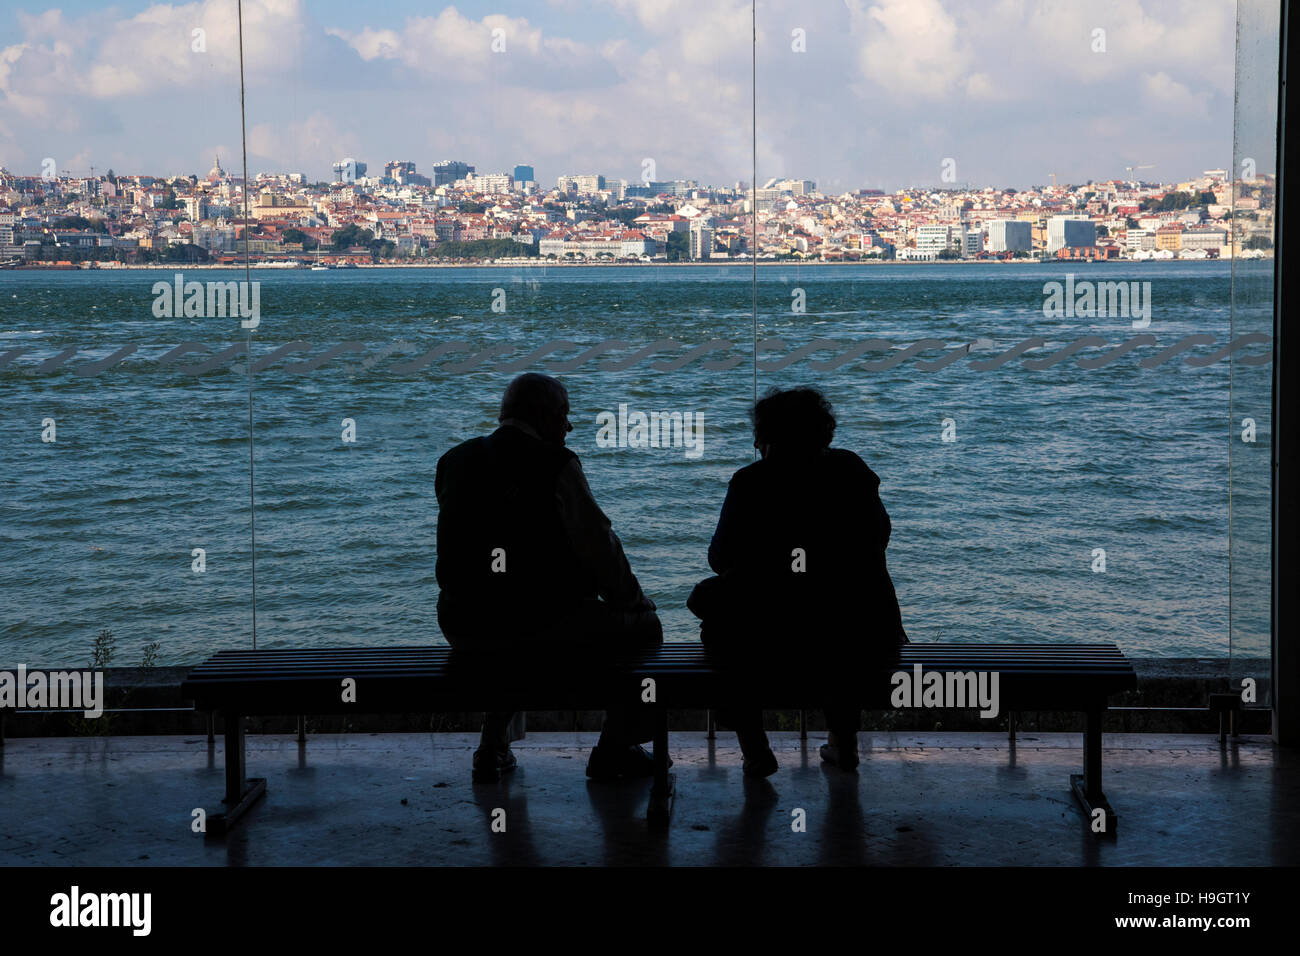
<point>505,804</point>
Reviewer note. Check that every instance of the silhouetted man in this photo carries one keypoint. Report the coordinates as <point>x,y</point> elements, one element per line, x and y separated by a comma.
<point>526,558</point>
<point>800,556</point>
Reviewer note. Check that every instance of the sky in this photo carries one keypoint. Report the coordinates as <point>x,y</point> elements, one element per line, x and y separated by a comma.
<point>850,93</point>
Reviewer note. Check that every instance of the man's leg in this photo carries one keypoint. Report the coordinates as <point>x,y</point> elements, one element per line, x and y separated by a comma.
<point>841,748</point>
<point>494,757</point>
<point>628,725</point>
<point>598,628</point>
<point>496,730</point>
<point>755,749</point>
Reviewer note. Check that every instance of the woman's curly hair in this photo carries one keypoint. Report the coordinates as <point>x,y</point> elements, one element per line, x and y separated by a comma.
<point>795,418</point>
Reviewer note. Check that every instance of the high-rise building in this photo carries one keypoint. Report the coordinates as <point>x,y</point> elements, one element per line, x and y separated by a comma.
<point>399,171</point>
<point>348,170</point>
<point>701,238</point>
<point>796,187</point>
<point>449,170</point>
<point>583,185</point>
<point>524,174</point>
<point>1070,232</point>
<point>492,183</point>
<point>1011,235</point>
<point>935,238</point>
<point>403,173</point>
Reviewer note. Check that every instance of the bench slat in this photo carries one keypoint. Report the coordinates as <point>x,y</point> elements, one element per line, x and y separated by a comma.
<point>430,678</point>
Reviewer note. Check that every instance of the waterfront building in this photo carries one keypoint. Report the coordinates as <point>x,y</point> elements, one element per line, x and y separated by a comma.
<point>1011,235</point>
<point>934,238</point>
<point>1169,237</point>
<point>1140,240</point>
<point>1070,232</point>
<point>1209,239</point>
<point>701,237</point>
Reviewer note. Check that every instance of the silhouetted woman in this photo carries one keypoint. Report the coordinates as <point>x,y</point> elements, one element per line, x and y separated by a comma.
<point>800,559</point>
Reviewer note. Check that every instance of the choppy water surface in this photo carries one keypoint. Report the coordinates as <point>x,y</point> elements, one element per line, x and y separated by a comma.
<point>994,533</point>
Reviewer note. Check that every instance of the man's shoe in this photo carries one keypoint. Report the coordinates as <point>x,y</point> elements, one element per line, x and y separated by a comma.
<point>611,764</point>
<point>761,764</point>
<point>489,765</point>
<point>848,762</point>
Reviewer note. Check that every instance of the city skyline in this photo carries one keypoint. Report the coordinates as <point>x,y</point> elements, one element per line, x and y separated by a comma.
<point>369,173</point>
<point>881,96</point>
<point>404,215</point>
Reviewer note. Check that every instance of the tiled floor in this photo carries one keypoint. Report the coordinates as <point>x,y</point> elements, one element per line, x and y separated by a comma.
<point>406,799</point>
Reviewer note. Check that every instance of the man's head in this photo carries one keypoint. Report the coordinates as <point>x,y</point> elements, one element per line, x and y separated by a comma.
<point>793,420</point>
<point>540,401</point>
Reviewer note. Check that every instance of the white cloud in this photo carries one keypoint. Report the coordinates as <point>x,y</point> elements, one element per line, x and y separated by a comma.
<point>317,135</point>
<point>911,47</point>
<point>715,31</point>
<point>886,89</point>
<point>1166,93</point>
<point>372,44</point>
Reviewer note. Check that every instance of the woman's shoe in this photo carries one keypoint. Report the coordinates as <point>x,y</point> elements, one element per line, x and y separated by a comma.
<point>847,761</point>
<point>612,764</point>
<point>490,764</point>
<point>761,764</point>
<point>758,759</point>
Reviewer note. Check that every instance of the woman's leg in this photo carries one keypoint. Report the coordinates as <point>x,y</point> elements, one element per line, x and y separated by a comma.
<point>842,725</point>
<point>748,725</point>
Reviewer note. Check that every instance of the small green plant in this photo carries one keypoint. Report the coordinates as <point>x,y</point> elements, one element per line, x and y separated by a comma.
<point>104,648</point>
<point>149,656</point>
<point>101,655</point>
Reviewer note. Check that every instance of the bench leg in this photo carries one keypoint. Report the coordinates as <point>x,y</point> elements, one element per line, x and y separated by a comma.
<point>1087,786</point>
<point>241,793</point>
<point>664,789</point>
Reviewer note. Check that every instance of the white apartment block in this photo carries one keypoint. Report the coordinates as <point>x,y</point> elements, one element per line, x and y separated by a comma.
<point>583,185</point>
<point>1011,235</point>
<point>491,183</point>
<point>1070,232</point>
<point>701,239</point>
<point>1204,238</point>
<point>934,238</point>
<point>1138,240</point>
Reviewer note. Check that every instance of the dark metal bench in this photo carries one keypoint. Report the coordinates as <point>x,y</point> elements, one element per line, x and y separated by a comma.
<point>239,684</point>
